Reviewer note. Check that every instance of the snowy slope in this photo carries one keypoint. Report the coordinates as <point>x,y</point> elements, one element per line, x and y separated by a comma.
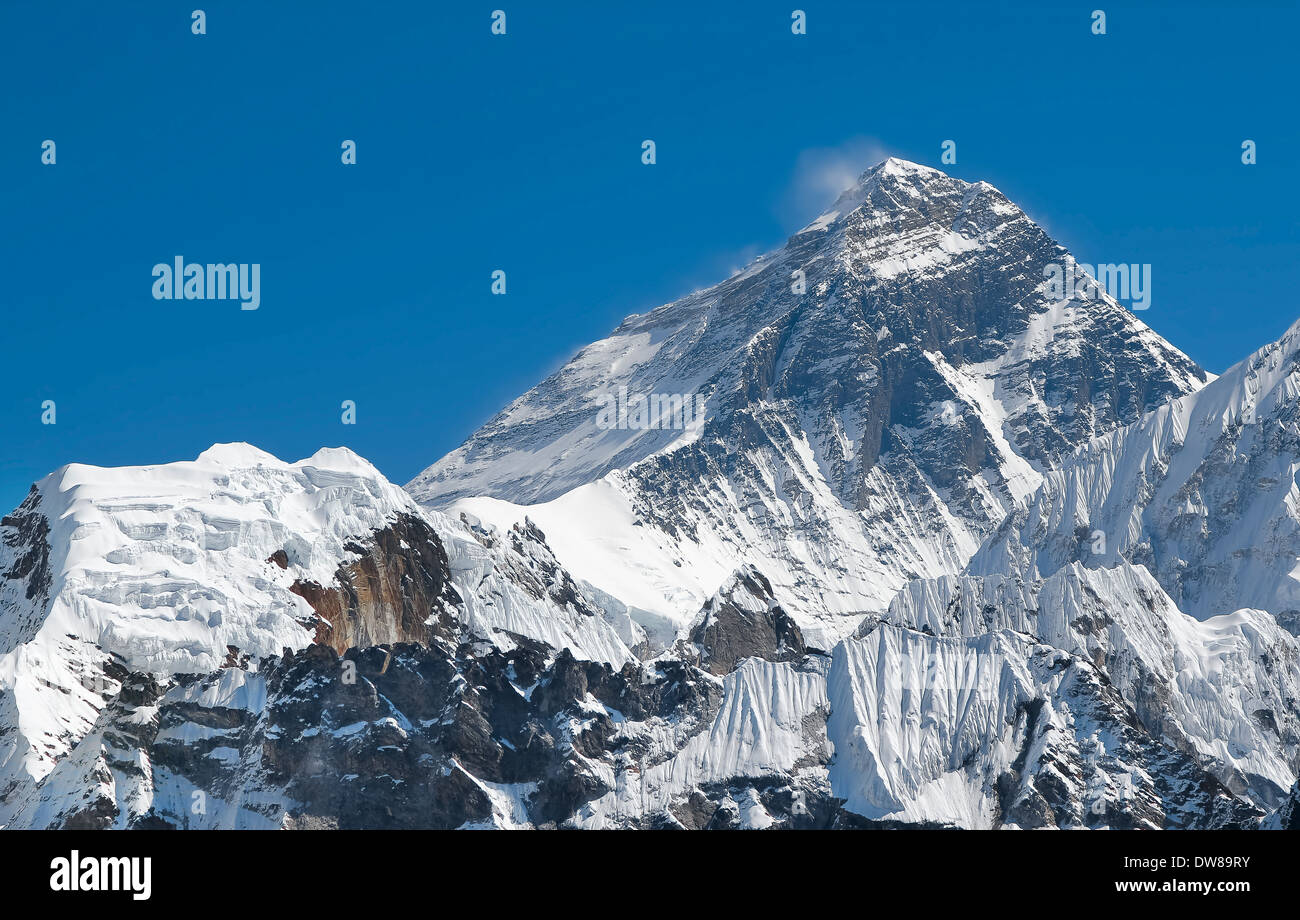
<point>1227,688</point>
<point>977,703</point>
<point>869,428</point>
<point>1085,699</point>
<point>169,570</point>
<point>165,568</point>
<point>1201,491</point>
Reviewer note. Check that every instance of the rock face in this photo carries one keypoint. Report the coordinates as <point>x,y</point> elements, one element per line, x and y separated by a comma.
<point>1286,818</point>
<point>744,621</point>
<point>399,590</point>
<point>25,579</point>
<point>455,734</point>
<point>878,394</point>
<point>26,535</point>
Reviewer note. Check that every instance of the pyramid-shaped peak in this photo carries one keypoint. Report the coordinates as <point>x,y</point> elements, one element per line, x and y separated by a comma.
<point>896,166</point>
<point>892,176</point>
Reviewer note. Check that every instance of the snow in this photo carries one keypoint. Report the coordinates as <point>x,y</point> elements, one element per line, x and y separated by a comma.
<point>767,723</point>
<point>1195,490</point>
<point>594,534</point>
<point>165,568</point>
<point>1210,676</point>
<point>912,719</point>
<point>509,804</point>
<point>836,529</point>
<point>822,222</point>
<point>495,605</point>
<point>976,385</point>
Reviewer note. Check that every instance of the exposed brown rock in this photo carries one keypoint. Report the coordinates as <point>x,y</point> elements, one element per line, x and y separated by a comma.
<point>387,595</point>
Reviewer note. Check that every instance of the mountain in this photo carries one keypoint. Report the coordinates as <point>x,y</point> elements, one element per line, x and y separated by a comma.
<point>936,551</point>
<point>142,608</point>
<point>1225,691</point>
<point>242,642</point>
<point>867,426</point>
<point>1202,492</point>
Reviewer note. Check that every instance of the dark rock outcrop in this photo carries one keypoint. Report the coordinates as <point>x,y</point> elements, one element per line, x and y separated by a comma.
<point>744,621</point>
<point>26,532</point>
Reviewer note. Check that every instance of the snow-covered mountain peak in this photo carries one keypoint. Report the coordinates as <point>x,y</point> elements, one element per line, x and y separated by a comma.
<point>897,171</point>
<point>868,403</point>
<point>895,185</point>
<point>1202,491</point>
<point>238,455</point>
<point>178,552</point>
<point>341,460</point>
<point>893,169</point>
<point>148,576</point>
<point>900,166</point>
<point>973,255</point>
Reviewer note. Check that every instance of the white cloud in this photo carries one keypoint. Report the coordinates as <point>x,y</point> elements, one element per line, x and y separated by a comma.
<point>821,173</point>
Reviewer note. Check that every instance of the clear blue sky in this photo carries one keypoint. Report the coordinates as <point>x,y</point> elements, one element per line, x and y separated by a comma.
<point>522,153</point>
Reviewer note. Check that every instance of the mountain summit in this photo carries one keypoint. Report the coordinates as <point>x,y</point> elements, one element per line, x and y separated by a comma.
<point>877,394</point>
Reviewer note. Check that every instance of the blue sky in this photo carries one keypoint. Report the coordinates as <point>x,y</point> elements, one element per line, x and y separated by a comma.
<point>522,152</point>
